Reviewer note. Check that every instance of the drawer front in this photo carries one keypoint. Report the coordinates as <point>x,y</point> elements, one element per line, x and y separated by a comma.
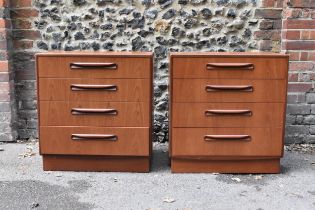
<point>93,67</point>
<point>230,68</point>
<point>228,90</point>
<point>94,89</point>
<point>112,114</point>
<point>228,115</point>
<point>94,141</point>
<point>227,142</point>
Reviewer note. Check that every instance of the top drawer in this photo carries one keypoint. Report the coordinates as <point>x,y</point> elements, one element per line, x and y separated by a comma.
<point>93,67</point>
<point>230,67</point>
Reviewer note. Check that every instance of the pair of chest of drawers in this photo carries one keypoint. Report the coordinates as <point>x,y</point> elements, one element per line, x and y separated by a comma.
<point>95,111</point>
<point>227,112</point>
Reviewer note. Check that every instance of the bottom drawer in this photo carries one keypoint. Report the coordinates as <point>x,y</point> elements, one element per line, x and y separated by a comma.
<point>227,142</point>
<point>95,141</point>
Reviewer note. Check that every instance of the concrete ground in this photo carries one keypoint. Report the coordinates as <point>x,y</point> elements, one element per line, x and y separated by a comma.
<point>24,185</point>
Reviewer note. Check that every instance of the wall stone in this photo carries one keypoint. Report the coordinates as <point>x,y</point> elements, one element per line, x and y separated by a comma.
<point>298,40</point>
<point>161,26</point>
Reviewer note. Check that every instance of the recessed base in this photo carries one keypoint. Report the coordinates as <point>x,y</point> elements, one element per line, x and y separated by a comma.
<point>179,165</point>
<point>96,163</point>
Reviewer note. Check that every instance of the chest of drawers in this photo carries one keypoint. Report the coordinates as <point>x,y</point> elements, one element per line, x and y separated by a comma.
<point>227,112</point>
<point>95,110</point>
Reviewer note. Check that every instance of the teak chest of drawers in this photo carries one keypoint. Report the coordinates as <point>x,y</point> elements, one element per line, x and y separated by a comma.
<point>227,112</point>
<point>95,110</point>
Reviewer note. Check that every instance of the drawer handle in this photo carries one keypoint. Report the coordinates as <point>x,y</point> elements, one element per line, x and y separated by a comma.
<point>227,137</point>
<point>77,111</point>
<point>247,88</point>
<point>228,112</point>
<point>107,137</point>
<point>75,87</point>
<point>245,66</point>
<point>110,66</point>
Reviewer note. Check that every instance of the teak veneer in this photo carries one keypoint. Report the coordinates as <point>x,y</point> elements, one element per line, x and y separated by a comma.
<point>95,110</point>
<point>227,112</point>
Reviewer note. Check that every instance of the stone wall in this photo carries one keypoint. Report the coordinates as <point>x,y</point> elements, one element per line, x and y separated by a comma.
<point>161,26</point>
<point>298,39</point>
<point>7,93</point>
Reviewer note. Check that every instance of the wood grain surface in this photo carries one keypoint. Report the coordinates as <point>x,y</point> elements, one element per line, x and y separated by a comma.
<point>129,114</point>
<point>127,90</point>
<point>264,68</point>
<point>194,90</point>
<point>129,141</point>
<point>262,142</point>
<point>59,67</point>
<point>193,115</point>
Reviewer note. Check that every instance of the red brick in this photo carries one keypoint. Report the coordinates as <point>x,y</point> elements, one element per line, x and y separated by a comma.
<point>294,56</point>
<point>23,13</point>
<point>21,3</point>
<point>4,66</point>
<point>4,96</point>
<point>3,45</point>
<point>292,35</point>
<point>308,35</point>
<point>268,3</point>
<point>268,13</point>
<point>304,56</point>
<point>267,35</point>
<point>265,45</point>
<point>4,86</point>
<point>311,56</point>
<point>25,34</point>
<point>4,55</point>
<point>4,3</point>
<point>5,23</point>
<point>21,24</point>
<point>299,24</point>
<point>3,34</point>
<point>279,4</point>
<point>299,87</point>
<point>302,3</point>
<point>293,77</point>
<point>4,77</point>
<point>300,45</point>
<point>22,44</point>
<point>301,66</point>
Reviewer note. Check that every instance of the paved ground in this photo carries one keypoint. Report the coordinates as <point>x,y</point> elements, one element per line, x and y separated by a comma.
<point>23,185</point>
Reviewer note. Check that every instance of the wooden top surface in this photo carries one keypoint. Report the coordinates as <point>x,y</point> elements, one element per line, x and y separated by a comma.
<point>98,53</point>
<point>228,54</point>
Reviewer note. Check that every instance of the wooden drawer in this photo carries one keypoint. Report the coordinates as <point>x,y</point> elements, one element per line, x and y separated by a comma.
<point>94,89</point>
<point>233,67</point>
<point>94,141</point>
<point>228,90</point>
<point>247,115</point>
<point>111,114</point>
<point>227,142</point>
<point>93,67</point>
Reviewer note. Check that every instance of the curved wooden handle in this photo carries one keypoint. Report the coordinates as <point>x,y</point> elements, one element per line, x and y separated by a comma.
<point>109,66</point>
<point>228,112</point>
<point>248,88</point>
<point>107,137</point>
<point>227,137</point>
<point>77,111</point>
<point>76,87</point>
<point>245,66</point>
